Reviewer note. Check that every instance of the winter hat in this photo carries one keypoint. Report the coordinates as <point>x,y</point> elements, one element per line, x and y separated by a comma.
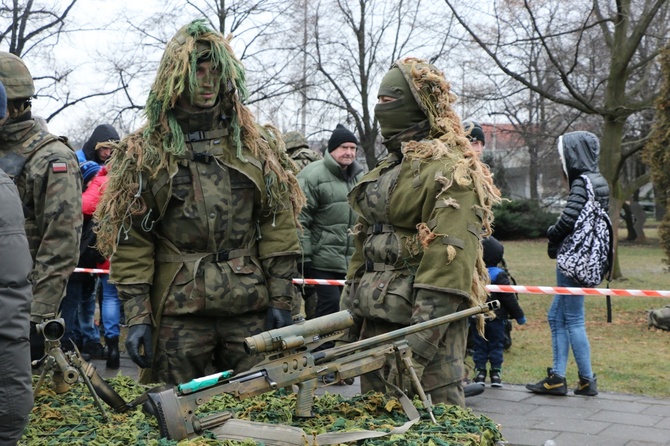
<point>3,101</point>
<point>474,131</point>
<point>89,169</point>
<point>340,135</point>
<point>102,133</point>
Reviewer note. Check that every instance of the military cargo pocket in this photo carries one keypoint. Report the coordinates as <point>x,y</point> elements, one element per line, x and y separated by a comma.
<point>183,297</point>
<point>385,295</point>
<point>248,290</point>
<point>383,248</point>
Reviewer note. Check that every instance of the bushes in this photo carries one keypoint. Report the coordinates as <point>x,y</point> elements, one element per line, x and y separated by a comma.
<point>521,219</point>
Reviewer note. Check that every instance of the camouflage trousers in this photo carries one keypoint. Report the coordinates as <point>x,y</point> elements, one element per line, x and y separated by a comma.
<point>443,374</point>
<point>194,346</point>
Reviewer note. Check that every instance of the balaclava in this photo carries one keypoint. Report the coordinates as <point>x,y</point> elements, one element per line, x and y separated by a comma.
<point>401,114</point>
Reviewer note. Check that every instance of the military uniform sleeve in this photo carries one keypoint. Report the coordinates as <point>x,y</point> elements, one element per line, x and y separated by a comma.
<point>452,219</point>
<point>132,271</point>
<point>57,198</point>
<point>279,250</point>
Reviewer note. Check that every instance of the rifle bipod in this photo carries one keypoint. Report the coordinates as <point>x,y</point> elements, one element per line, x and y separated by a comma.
<point>67,367</point>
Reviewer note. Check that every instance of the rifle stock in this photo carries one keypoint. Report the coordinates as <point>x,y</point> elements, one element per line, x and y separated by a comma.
<point>288,361</point>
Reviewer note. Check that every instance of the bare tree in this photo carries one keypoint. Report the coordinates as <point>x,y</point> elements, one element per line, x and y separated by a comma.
<point>614,83</point>
<point>350,46</point>
<point>32,30</point>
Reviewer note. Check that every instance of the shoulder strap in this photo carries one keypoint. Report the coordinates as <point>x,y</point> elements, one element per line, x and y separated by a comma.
<point>14,162</point>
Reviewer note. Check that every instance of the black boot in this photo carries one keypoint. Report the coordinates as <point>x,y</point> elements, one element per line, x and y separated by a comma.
<point>588,387</point>
<point>113,361</point>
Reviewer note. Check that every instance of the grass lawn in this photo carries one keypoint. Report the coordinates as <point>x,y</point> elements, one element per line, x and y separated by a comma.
<point>626,355</point>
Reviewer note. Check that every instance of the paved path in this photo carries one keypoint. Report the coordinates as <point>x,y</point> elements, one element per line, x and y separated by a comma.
<point>526,419</point>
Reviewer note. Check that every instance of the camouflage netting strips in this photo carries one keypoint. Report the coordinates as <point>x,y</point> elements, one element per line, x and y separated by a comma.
<point>73,419</point>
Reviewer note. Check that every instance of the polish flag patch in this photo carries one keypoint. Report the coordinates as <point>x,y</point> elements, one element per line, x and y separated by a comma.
<point>58,167</point>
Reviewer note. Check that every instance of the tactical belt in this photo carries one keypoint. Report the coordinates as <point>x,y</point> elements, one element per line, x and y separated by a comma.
<point>380,228</point>
<point>371,266</point>
<point>215,257</point>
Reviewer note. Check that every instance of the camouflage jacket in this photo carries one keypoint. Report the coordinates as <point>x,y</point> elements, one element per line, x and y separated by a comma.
<point>303,156</point>
<point>49,184</point>
<point>392,258</point>
<point>207,244</point>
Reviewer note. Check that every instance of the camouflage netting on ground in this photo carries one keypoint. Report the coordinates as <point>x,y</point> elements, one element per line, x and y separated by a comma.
<point>73,419</point>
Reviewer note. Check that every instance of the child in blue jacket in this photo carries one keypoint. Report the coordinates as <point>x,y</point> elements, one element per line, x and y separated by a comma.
<point>489,349</point>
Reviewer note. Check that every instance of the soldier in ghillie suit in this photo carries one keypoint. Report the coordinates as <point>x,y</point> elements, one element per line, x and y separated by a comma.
<point>422,211</point>
<point>200,217</point>
<point>298,149</point>
<point>46,173</point>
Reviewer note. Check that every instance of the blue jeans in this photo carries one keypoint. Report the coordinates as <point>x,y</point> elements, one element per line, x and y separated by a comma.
<point>566,321</point>
<point>111,308</point>
<point>78,286</point>
<point>87,330</point>
<point>491,348</point>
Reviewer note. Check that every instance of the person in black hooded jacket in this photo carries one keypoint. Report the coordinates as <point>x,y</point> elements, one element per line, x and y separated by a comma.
<point>91,152</point>
<point>579,153</point>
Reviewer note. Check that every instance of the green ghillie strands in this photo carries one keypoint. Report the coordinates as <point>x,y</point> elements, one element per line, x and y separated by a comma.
<point>159,143</point>
<point>433,94</point>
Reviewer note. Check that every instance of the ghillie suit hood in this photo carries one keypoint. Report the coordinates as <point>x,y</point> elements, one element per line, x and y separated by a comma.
<point>159,144</point>
<point>435,132</point>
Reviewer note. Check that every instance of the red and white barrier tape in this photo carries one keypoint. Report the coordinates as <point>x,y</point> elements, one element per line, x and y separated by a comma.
<point>520,289</point>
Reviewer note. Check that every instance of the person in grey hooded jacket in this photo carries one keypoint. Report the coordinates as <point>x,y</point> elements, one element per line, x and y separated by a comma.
<point>16,393</point>
<point>579,153</point>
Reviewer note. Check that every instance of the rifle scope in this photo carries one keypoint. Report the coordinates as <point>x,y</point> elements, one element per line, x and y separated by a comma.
<point>298,334</point>
<point>52,329</point>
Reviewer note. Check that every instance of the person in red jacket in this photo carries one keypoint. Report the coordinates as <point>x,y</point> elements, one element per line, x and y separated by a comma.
<point>110,308</point>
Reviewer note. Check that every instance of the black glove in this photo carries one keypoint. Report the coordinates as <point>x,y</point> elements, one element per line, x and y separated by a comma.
<point>140,335</point>
<point>36,343</point>
<point>277,318</point>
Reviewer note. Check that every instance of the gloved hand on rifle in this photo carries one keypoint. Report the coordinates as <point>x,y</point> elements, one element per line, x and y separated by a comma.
<point>140,336</point>
<point>277,318</point>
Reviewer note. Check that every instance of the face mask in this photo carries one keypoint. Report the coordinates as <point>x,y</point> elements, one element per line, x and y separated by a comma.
<point>400,114</point>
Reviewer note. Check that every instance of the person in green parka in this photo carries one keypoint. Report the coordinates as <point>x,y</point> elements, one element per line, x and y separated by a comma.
<point>200,217</point>
<point>422,212</point>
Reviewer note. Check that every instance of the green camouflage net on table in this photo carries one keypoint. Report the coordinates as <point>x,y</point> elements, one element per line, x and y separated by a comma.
<point>73,419</point>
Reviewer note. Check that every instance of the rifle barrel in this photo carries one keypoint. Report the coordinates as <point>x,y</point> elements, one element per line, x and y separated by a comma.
<point>329,354</point>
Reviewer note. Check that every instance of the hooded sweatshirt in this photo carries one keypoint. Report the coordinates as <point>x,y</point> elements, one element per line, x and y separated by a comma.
<point>579,153</point>
<point>102,133</point>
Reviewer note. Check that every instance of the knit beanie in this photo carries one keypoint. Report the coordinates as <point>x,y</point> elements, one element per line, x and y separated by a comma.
<point>340,135</point>
<point>3,101</point>
<point>89,169</point>
<point>474,131</point>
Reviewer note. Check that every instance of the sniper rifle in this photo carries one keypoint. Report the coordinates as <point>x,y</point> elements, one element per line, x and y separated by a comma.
<point>290,360</point>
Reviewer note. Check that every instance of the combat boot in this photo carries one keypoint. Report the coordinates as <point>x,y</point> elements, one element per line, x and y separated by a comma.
<point>113,361</point>
<point>588,387</point>
<point>551,385</point>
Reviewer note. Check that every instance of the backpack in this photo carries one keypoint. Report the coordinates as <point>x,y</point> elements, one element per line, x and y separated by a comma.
<point>89,256</point>
<point>659,318</point>
<point>586,254</point>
